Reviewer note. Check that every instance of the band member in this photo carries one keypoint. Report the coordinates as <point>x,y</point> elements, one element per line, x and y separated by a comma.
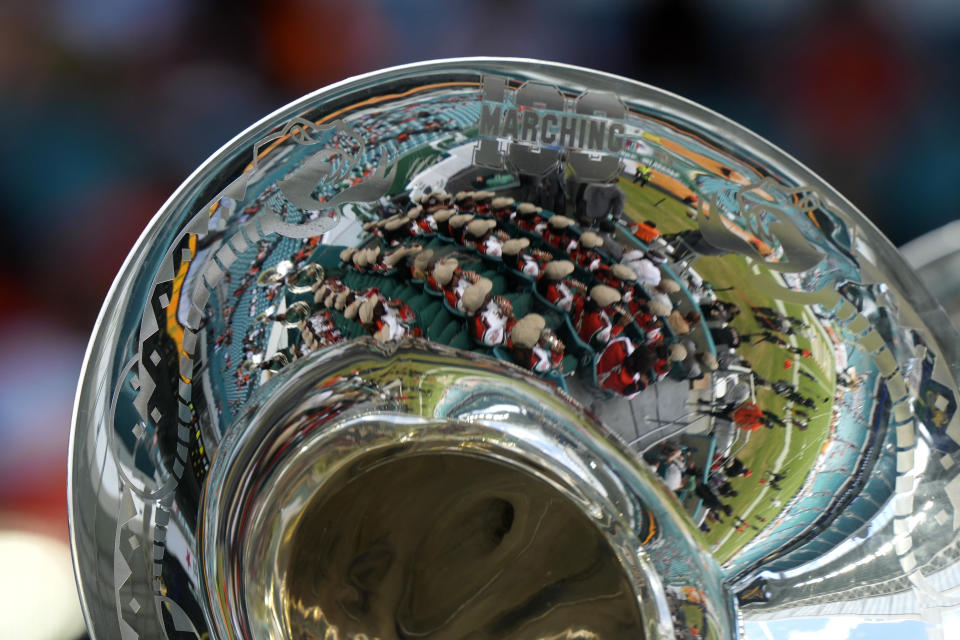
<point>458,226</point>
<point>343,300</point>
<point>346,256</point>
<point>487,239</point>
<point>420,221</point>
<point>535,347</point>
<point>434,201</point>
<point>488,321</point>
<point>441,274</point>
<point>620,277</point>
<point>373,260</point>
<point>666,356</point>
<point>359,259</point>
<point>373,228</point>
<point>585,253</point>
<point>319,330</point>
<point>555,288</point>
<point>441,219</point>
<point>396,258</point>
<point>482,201</point>
<point>453,281</point>
<point>595,324</point>
<point>617,371</point>
<point>328,290</point>
<point>352,309</point>
<point>557,233</point>
<point>515,257</point>
<point>502,208</point>
<point>321,294</point>
<point>396,229</point>
<point>648,316</point>
<point>529,219</point>
<point>422,265</point>
<point>330,299</point>
<point>464,202</point>
<point>381,323</point>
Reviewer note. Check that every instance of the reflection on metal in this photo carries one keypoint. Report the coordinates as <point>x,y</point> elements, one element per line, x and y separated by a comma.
<point>755,204</point>
<point>631,372</point>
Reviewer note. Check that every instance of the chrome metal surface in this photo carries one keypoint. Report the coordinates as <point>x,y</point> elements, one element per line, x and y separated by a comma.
<point>500,348</point>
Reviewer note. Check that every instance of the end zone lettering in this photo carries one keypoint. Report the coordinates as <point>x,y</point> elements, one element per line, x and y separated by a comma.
<point>540,118</point>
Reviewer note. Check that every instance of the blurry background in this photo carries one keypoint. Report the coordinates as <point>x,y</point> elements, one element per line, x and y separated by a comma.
<point>107,105</point>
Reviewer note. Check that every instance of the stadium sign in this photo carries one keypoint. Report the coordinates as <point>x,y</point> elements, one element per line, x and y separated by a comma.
<point>531,129</point>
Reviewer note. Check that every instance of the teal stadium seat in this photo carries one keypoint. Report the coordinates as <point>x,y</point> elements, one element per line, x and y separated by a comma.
<point>461,340</point>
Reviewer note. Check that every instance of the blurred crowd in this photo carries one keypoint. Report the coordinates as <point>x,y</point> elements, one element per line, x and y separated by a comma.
<point>107,105</point>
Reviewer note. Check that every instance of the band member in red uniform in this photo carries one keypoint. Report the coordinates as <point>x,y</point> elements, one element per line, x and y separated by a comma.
<point>396,229</point>
<point>585,253</point>
<point>621,278</point>
<point>453,281</point>
<point>535,347</point>
<point>319,330</point>
<point>502,208</point>
<point>343,299</point>
<point>594,323</point>
<point>460,282</point>
<point>346,256</point>
<point>488,321</point>
<point>482,235</point>
<point>396,258</point>
<point>434,200</point>
<point>666,356</point>
<point>523,335</point>
<point>374,260</point>
<point>482,201</point>
<point>359,260</point>
<point>442,221</point>
<point>649,317</point>
<point>328,290</point>
<point>327,300</point>
<point>556,288</point>
<point>353,307</point>
<point>373,228</point>
<point>441,274</point>
<point>458,226</point>
<point>420,221</point>
<point>422,265</point>
<point>381,320</point>
<point>464,202</point>
<point>616,370</point>
<point>515,257</point>
<point>557,233</point>
<point>548,352</point>
<point>321,294</point>
<point>529,219</point>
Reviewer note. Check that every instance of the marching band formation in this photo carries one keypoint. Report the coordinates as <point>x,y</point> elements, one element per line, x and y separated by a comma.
<point>510,278</point>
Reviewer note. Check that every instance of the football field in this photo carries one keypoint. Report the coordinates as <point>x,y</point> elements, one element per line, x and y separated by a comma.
<point>788,451</point>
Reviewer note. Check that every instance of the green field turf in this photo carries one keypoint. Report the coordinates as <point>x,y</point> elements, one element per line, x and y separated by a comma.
<point>649,203</point>
<point>761,449</point>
